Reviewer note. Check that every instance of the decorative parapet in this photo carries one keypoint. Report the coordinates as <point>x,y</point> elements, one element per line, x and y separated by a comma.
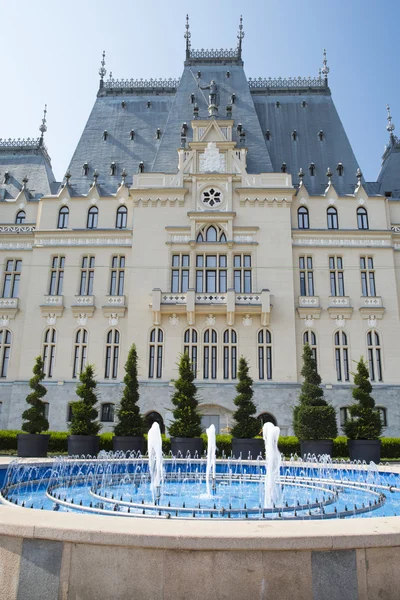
<point>52,305</point>
<point>8,307</point>
<point>83,304</point>
<point>140,85</point>
<point>339,307</point>
<point>23,144</point>
<point>309,306</point>
<point>263,84</point>
<point>214,55</point>
<point>17,228</point>
<point>115,305</point>
<point>372,307</point>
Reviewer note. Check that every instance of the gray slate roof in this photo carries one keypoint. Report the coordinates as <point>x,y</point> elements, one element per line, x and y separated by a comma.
<point>389,176</point>
<point>31,161</point>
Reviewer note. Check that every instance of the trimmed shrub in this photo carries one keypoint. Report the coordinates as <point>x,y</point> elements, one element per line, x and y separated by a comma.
<point>130,421</point>
<point>365,420</point>
<point>246,425</point>
<point>33,418</point>
<point>187,419</point>
<point>84,413</point>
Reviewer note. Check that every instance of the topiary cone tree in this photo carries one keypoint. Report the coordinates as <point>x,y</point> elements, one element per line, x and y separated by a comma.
<point>84,413</point>
<point>187,419</point>
<point>35,421</point>
<point>365,421</point>
<point>130,421</point>
<point>246,425</point>
<point>313,417</point>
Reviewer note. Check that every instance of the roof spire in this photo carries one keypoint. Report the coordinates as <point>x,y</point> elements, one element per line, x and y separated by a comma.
<point>325,68</point>
<point>187,37</point>
<point>103,70</point>
<point>43,126</point>
<point>390,126</point>
<point>240,37</point>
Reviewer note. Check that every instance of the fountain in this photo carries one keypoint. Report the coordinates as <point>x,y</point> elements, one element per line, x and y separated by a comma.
<point>211,454</point>
<point>272,491</point>
<point>154,450</point>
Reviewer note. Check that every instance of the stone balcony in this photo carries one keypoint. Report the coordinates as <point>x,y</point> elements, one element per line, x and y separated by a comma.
<point>52,305</point>
<point>309,306</point>
<point>8,307</point>
<point>340,307</point>
<point>83,305</point>
<point>371,307</point>
<point>115,305</point>
<point>193,303</point>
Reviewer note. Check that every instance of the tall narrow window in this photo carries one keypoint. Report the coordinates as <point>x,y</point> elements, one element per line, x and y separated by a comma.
<point>211,234</point>
<point>107,413</point>
<point>362,218</point>
<point>336,275</point>
<point>332,216</point>
<point>93,217</point>
<point>211,273</point>
<point>12,276</point>
<point>80,352</point>
<point>242,273</point>
<point>63,216</point>
<point>112,354</point>
<point>311,169</point>
<point>56,276</point>
<point>49,351</point>
<point>20,218</point>
<point>122,217</point>
<point>306,276</point>
<point>342,356</point>
<point>374,356</point>
<point>230,354</point>
<point>87,276</point>
<point>310,338</point>
<point>180,273</point>
<point>117,276</point>
<point>367,276</point>
<point>5,350</point>
<point>190,347</point>
<point>210,354</point>
<point>156,353</point>
<point>264,348</point>
<point>302,218</point>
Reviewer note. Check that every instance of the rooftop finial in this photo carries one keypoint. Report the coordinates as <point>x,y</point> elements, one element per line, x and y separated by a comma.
<point>390,126</point>
<point>43,126</point>
<point>325,68</point>
<point>103,70</point>
<point>187,37</point>
<point>240,37</point>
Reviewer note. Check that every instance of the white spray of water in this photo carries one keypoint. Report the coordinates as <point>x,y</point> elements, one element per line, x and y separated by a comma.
<point>211,451</point>
<point>272,488</point>
<point>154,446</point>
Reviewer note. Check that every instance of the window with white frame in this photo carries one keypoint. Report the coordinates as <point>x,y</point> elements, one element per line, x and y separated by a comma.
<point>117,278</point>
<point>12,277</point>
<point>362,218</point>
<point>49,351</point>
<point>306,276</point>
<point>107,413</point>
<point>87,276</point>
<point>374,356</point>
<point>342,356</point>
<point>112,354</point>
<point>332,218</point>
<point>367,276</point>
<point>303,218</point>
<point>156,353</point>
<point>180,273</point>
<point>122,218</point>
<point>190,347</point>
<point>5,351</point>
<point>63,217</point>
<point>336,275</point>
<point>230,352</point>
<point>310,338</point>
<point>80,352</point>
<point>210,348</point>
<point>211,233</point>
<point>242,273</point>
<point>56,275</point>
<point>211,273</point>
<point>93,217</point>
<point>264,350</point>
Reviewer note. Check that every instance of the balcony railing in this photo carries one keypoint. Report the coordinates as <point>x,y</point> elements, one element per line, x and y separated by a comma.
<point>53,300</point>
<point>312,301</point>
<point>8,303</point>
<point>211,298</point>
<point>371,301</point>
<point>84,301</point>
<point>174,298</point>
<point>339,301</point>
<point>116,300</point>
<point>248,298</point>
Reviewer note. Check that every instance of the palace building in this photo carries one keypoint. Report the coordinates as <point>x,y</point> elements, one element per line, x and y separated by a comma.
<point>213,214</point>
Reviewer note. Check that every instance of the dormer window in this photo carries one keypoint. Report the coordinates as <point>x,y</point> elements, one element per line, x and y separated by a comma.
<point>6,178</point>
<point>304,104</point>
<point>191,98</point>
<point>141,167</point>
<point>113,168</point>
<point>211,233</point>
<point>268,134</point>
<point>20,217</point>
<point>148,104</point>
<point>283,168</point>
<point>321,135</point>
<point>340,169</point>
<point>158,133</point>
<point>132,134</point>
<point>277,104</point>
<point>123,104</point>
<point>85,169</point>
<point>233,98</point>
<point>228,74</point>
<point>239,127</point>
<point>294,135</point>
<point>105,135</point>
<point>311,169</point>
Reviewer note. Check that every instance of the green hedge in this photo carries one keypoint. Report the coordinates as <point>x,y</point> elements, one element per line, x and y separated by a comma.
<point>287,444</point>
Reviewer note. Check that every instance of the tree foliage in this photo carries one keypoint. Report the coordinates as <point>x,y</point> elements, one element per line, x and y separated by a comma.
<point>365,420</point>
<point>187,419</point>
<point>246,424</point>
<point>313,417</point>
<point>130,421</point>
<point>35,421</point>
<point>84,413</point>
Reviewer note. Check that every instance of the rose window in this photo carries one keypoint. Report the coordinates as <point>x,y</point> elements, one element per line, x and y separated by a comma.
<point>212,198</point>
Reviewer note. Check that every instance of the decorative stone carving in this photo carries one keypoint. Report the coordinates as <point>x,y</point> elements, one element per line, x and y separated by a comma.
<point>212,161</point>
<point>68,241</point>
<point>309,321</point>
<point>361,201</point>
<point>113,320</point>
<point>340,321</point>
<point>82,319</point>
<point>4,321</point>
<point>331,201</point>
<point>372,322</point>
<point>179,238</point>
<point>174,320</point>
<point>65,201</point>
<point>210,320</point>
<point>21,205</point>
<point>51,319</point>
<point>247,321</point>
<point>122,200</point>
<point>383,243</point>
<point>243,238</point>
<point>93,201</point>
<point>303,201</point>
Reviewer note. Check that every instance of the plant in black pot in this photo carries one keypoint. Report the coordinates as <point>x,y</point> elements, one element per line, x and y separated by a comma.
<point>314,420</point>
<point>83,438</point>
<point>34,442</point>
<point>364,426</point>
<point>129,431</point>
<point>185,430</point>
<point>247,426</point>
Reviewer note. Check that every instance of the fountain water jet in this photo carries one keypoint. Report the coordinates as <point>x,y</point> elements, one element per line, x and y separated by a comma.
<point>156,466</point>
<point>211,452</point>
<point>272,487</point>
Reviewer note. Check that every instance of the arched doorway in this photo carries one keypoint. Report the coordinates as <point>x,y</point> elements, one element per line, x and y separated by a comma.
<point>267,418</point>
<point>155,417</point>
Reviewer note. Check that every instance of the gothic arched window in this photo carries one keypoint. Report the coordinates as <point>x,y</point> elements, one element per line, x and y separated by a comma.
<point>230,354</point>
<point>156,353</point>
<point>93,217</point>
<point>362,218</point>
<point>112,354</point>
<point>342,356</point>
<point>310,338</point>
<point>374,356</point>
<point>264,347</point>
<point>190,338</point>
<point>80,352</point>
<point>332,216</point>
<point>302,218</point>
<point>49,351</point>
<point>210,354</point>
<point>5,350</point>
<point>20,218</point>
<point>122,217</point>
<point>63,216</point>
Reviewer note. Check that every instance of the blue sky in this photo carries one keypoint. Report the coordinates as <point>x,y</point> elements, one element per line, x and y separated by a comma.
<point>51,54</point>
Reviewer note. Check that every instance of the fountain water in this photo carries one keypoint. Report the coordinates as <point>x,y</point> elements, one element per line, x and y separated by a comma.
<point>156,466</point>
<point>272,489</point>
<point>211,452</point>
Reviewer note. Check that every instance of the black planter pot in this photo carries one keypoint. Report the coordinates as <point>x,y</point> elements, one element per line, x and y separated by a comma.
<point>317,447</point>
<point>86,445</point>
<point>248,447</point>
<point>368,450</point>
<point>32,444</point>
<point>184,445</point>
<point>128,443</point>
